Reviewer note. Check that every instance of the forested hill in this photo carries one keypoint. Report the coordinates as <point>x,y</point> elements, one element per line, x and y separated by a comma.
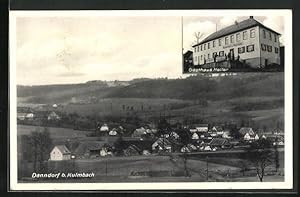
<point>211,88</point>
<point>195,87</point>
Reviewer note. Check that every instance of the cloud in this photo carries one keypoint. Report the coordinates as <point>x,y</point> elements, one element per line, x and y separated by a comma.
<point>79,49</point>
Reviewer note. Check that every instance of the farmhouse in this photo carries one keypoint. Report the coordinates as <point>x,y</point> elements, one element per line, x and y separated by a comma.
<point>132,150</point>
<point>199,128</point>
<point>53,116</point>
<point>162,144</point>
<point>59,153</point>
<point>248,41</point>
<point>25,113</point>
<point>220,143</point>
<point>104,128</point>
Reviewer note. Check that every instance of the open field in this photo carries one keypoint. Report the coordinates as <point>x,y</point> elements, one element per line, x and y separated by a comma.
<point>55,133</point>
<point>151,168</point>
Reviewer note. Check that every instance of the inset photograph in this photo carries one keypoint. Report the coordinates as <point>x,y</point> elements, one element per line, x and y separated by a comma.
<point>233,44</point>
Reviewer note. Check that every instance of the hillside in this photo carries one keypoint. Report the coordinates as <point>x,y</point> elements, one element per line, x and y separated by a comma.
<point>195,87</point>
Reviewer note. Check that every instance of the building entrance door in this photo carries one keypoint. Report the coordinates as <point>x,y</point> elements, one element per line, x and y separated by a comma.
<point>266,62</point>
<point>232,54</point>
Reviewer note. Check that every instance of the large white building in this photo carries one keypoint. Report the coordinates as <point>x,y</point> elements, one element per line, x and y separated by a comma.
<point>248,41</point>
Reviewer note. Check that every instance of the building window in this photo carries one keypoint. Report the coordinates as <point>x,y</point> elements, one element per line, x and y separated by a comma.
<point>252,33</point>
<point>208,56</point>
<point>264,33</point>
<point>198,59</point>
<point>201,57</point>
<point>231,38</point>
<point>238,37</point>
<point>241,50</point>
<point>201,47</point>
<point>195,49</point>
<point>220,42</point>
<point>204,47</point>
<point>214,43</point>
<point>208,45</point>
<point>245,35</point>
<point>226,40</point>
<point>269,48</point>
<point>250,48</point>
<point>221,53</point>
<point>270,35</point>
<point>195,59</point>
<point>263,47</point>
<point>276,50</point>
<point>275,38</point>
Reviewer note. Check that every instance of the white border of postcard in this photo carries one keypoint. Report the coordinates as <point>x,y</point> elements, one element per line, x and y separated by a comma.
<point>288,106</point>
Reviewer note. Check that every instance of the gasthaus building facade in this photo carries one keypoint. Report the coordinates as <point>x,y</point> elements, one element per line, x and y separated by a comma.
<point>248,41</point>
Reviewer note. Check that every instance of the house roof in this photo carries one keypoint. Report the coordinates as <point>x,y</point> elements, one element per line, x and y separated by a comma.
<point>218,142</point>
<point>90,145</point>
<point>200,125</point>
<point>239,26</point>
<point>63,149</point>
<point>245,130</point>
<point>188,54</point>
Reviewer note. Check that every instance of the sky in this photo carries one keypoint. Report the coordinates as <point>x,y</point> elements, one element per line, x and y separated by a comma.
<point>59,50</point>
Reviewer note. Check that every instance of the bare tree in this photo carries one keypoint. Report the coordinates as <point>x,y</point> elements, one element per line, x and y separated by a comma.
<point>260,155</point>
<point>198,35</point>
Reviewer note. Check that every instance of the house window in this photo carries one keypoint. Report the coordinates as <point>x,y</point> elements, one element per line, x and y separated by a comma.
<point>208,56</point>
<point>201,47</point>
<point>252,33</point>
<point>245,37</point>
<point>195,49</point>
<point>214,54</point>
<point>231,38</point>
<point>221,53</point>
<point>214,43</point>
<point>198,59</point>
<point>226,40</point>
<point>269,48</point>
<point>275,38</point>
<point>201,57</point>
<point>220,42</point>
<point>208,45</point>
<point>270,35</point>
<point>263,47</point>
<point>264,33</point>
<point>276,50</point>
<point>241,50</point>
<point>238,37</point>
<point>204,46</point>
<point>195,59</point>
<point>250,48</point>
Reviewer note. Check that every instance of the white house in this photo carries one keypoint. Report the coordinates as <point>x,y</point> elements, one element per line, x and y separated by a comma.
<point>104,127</point>
<point>195,136</point>
<point>248,41</point>
<point>113,132</point>
<point>201,127</point>
<point>59,153</point>
<point>53,116</point>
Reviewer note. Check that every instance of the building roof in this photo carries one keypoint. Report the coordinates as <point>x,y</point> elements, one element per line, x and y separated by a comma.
<point>219,142</point>
<point>188,54</point>
<point>63,149</point>
<point>239,26</point>
<point>245,130</point>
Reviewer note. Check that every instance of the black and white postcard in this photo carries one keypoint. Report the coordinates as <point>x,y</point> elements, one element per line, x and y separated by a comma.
<point>151,100</point>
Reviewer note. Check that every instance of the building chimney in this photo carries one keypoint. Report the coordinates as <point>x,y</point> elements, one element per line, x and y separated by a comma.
<point>251,17</point>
